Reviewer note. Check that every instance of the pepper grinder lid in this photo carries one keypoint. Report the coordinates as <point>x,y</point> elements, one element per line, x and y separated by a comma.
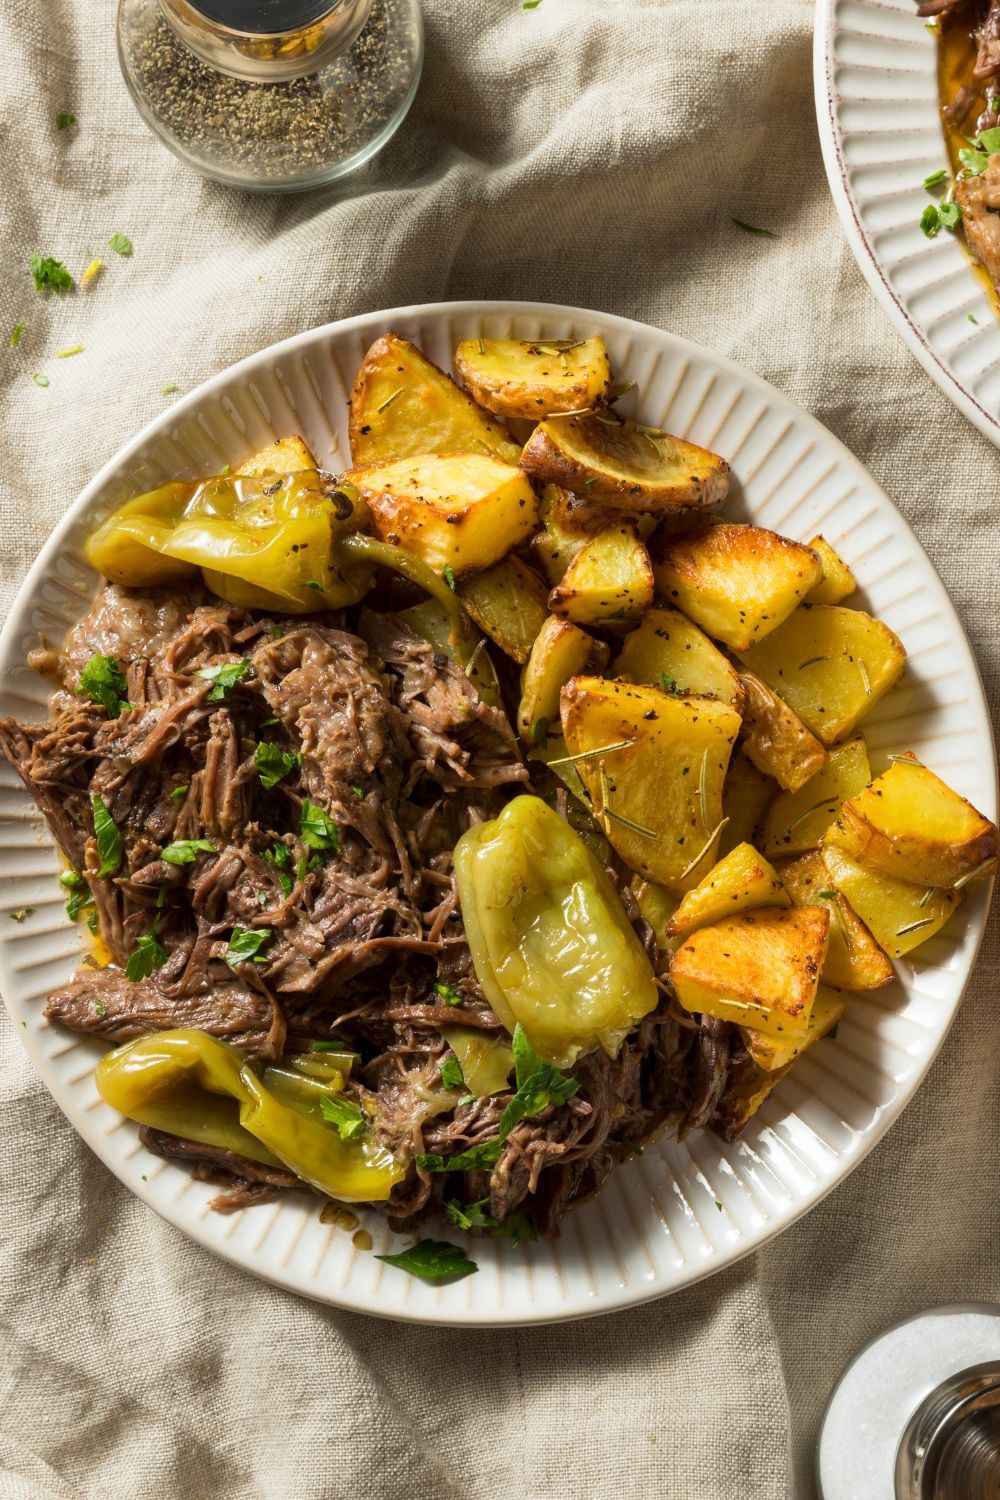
<point>262,17</point>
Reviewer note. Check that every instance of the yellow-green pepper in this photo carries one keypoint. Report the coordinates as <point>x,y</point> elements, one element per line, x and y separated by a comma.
<point>262,542</point>
<point>183,1082</point>
<point>550,941</point>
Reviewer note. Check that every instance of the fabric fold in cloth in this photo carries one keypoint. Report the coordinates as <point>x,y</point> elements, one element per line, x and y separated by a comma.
<point>581,152</point>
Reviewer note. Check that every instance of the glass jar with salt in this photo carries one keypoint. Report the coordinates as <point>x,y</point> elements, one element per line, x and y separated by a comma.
<point>273,95</point>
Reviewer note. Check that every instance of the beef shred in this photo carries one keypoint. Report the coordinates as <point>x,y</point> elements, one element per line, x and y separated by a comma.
<point>392,742</point>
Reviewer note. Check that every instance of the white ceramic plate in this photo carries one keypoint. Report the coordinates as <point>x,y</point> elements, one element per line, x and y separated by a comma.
<point>874,65</point>
<point>681,1211</point>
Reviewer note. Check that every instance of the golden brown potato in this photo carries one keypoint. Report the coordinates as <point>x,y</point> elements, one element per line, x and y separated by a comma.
<point>659,798</point>
<point>461,511</point>
<point>776,741</point>
<point>561,650</point>
<point>830,665</point>
<point>854,961</point>
<point>737,582</point>
<point>837,583</point>
<point>912,825</point>
<point>403,406</point>
<point>558,541</point>
<point>515,378</point>
<point>774,1055</point>
<point>508,602</point>
<point>898,914</point>
<point>287,455</point>
<point>742,880</point>
<point>746,795</point>
<point>797,821</point>
<point>759,969</point>
<point>747,1088</point>
<point>669,651</point>
<point>610,578</point>
<point>619,463</point>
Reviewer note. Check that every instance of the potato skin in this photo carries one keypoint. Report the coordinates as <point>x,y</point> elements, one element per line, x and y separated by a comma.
<point>613,463</point>
<point>517,378</point>
<point>777,742</point>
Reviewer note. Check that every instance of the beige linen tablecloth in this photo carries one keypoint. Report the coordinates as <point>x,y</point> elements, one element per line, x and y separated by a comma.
<point>587,151</point>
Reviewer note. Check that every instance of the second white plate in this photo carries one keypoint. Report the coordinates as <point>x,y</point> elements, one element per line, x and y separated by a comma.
<point>875,74</point>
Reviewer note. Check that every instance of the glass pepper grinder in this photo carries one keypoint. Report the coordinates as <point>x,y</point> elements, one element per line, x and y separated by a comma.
<point>273,95</point>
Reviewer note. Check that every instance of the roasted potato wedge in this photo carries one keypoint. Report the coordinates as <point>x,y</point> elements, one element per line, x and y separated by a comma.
<point>797,821</point>
<point>776,741</point>
<point>774,1055</point>
<point>669,651</point>
<point>854,961</point>
<point>403,406</point>
<point>461,511</point>
<point>745,797</point>
<point>561,650</point>
<point>287,455</point>
<point>912,825</point>
<point>830,665</point>
<point>556,544</point>
<point>610,578</point>
<point>507,601</point>
<point>758,969</point>
<point>514,378</point>
<point>618,463</point>
<point>898,914</point>
<point>737,582</point>
<point>659,798</point>
<point>837,583</point>
<point>747,1088</point>
<point>742,880</point>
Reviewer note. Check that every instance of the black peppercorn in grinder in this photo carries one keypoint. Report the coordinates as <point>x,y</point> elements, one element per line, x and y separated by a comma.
<point>273,95</point>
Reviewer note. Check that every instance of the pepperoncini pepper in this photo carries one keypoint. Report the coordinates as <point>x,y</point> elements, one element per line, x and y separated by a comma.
<point>550,941</point>
<point>292,543</point>
<point>183,1082</point>
<point>268,542</point>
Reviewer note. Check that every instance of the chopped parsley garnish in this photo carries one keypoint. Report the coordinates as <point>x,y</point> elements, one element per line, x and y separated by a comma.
<point>247,943</point>
<point>540,731</point>
<point>451,1073</point>
<point>317,829</point>
<point>120,244</point>
<point>186,851</point>
<point>477,1158</point>
<point>826,895</point>
<point>92,922</point>
<point>69,351</point>
<point>109,840</point>
<point>755,229</point>
<point>15,335</point>
<point>668,683</point>
<point>79,893</point>
<point>147,955</point>
<point>100,1008</point>
<point>530,4</point>
<point>280,856</point>
<point>448,995</point>
<point>345,1115</point>
<point>273,764</point>
<point>312,584</point>
<point>938,216</point>
<point>516,1227</point>
<point>449,577</point>
<point>91,271</point>
<point>169,388</point>
<point>180,791</point>
<point>436,1260</point>
<point>358,791</point>
<point>64,120</point>
<point>40,379</point>
<point>539,1084</point>
<point>103,681</point>
<point>49,275</point>
<point>935,179</point>
<point>21,913</point>
<point>223,677</point>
